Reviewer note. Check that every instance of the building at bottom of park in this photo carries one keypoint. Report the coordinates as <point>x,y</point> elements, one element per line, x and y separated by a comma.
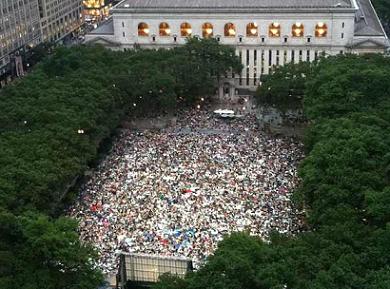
<point>265,33</point>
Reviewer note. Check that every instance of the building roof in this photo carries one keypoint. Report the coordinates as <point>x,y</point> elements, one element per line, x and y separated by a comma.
<point>199,4</point>
<point>106,28</point>
<point>370,42</point>
<point>366,20</point>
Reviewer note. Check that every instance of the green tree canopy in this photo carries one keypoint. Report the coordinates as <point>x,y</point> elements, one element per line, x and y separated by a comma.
<point>39,252</point>
<point>345,182</point>
<point>51,126</point>
<point>284,86</point>
<point>383,9</point>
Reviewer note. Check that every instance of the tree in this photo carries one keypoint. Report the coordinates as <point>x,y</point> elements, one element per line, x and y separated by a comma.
<point>37,53</point>
<point>167,281</point>
<point>189,72</point>
<point>346,84</point>
<point>284,86</point>
<point>39,252</point>
<point>232,266</point>
<point>383,9</point>
<point>51,126</point>
<point>345,181</point>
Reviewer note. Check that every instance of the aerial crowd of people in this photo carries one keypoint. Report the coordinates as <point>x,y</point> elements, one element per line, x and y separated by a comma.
<point>178,191</point>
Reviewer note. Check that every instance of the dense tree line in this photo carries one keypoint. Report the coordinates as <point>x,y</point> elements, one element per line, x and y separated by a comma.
<point>51,125</point>
<point>284,86</point>
<point>345,190</point>
<point>383,9</point>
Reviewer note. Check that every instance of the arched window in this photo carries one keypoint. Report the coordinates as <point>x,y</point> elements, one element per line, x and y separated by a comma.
<point>164,29</point>
<point>207,30</point>
<point>143,29</point>
<point>321,29</point>
<point>274,29</point>
<point>185,29</point>
<point>252,30</point>
<point>230,30</point>
<point>298,30</point>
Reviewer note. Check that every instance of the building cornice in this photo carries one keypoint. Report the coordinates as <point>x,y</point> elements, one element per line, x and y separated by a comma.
<point>162,10</point>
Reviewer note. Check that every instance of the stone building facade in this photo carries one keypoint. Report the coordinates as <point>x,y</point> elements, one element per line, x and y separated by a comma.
<point>265,33</point>
<point>19,26</point>
<point>26,23</point>
<point>59,17</point>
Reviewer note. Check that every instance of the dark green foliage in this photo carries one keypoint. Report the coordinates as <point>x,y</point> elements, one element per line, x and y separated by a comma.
<point>157,81</point>
<point>346,84</point>
<point>38,252</point>
<point>37,53</point>
<point>90,88</point>
<point>284,86</point>
<point>383,9</point>
<point>345,190</point>
<point>199,65</point>
<point>345,163</point>
<point>171,282</point>
<point>87,89</point>
<point>40,148</point>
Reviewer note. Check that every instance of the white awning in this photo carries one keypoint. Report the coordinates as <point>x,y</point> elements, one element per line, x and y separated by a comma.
<point>224,111</point>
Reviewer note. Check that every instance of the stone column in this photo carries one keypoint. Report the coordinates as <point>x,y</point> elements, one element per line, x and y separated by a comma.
<point>220,91</point>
